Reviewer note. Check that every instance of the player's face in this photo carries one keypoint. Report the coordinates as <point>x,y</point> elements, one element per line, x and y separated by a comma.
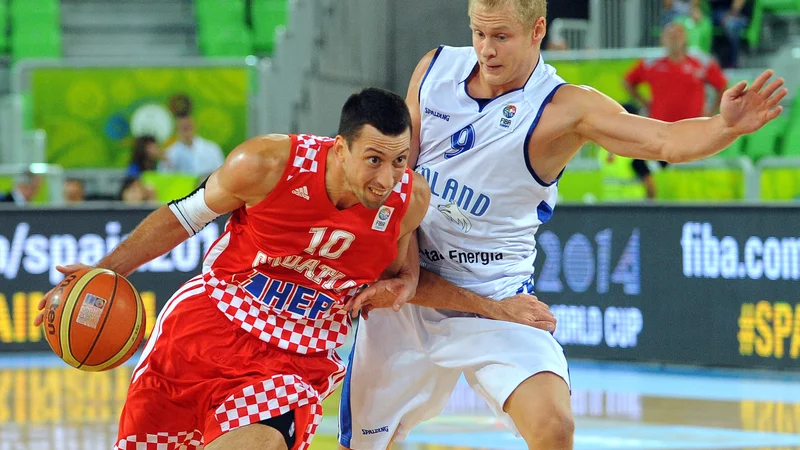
<point>506,49</point>
<point>374,164</point>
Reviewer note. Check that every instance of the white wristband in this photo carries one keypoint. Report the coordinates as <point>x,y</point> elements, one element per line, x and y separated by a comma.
<point>192,211</point>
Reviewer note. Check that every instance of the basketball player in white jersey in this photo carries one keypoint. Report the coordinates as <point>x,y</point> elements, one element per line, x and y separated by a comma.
<point>495,127</point>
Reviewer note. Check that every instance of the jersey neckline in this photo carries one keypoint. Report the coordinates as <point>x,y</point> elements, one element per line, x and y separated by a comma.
<point>484,102</point>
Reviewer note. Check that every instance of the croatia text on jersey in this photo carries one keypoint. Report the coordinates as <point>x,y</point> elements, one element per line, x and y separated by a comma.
<point>293,297</point>
<point>290,297</point>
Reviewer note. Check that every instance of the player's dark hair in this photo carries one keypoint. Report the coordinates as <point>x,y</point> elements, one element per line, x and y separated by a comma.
<point>384,110</point>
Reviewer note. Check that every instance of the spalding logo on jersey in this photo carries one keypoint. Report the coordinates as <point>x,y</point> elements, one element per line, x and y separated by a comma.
<point>455,216</point>
<point>460,142</point>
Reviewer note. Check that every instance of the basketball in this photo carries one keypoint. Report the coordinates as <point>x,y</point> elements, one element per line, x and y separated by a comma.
<point>94,320</point>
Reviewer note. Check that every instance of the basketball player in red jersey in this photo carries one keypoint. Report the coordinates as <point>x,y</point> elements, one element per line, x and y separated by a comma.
<point>242,355</point>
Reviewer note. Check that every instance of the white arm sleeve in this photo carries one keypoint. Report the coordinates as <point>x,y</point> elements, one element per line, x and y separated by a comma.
<point>192,211</point>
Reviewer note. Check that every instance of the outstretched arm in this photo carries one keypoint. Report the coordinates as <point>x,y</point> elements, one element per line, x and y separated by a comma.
<point>247,176</point>
<point>743,111</point>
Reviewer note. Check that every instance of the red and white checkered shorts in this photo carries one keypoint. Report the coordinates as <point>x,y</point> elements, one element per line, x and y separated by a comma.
<point>201,376</point>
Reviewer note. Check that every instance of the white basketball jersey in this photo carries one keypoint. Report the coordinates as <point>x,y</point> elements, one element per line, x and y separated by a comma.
<point>486,203</point>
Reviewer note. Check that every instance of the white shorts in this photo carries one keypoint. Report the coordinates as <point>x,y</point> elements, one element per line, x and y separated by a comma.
<point>404,367</point>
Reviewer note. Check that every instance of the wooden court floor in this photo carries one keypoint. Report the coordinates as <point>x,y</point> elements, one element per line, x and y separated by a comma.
<point>46,405</point>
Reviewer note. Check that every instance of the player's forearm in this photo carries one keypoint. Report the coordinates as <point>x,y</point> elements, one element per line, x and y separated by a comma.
<point>693,139</point>
<point>410,268</point>
<point>434,291</point>
<point>406,265</point>
<point>157,234</point>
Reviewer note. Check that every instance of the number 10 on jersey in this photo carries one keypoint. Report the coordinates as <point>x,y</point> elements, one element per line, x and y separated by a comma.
<point>338,242</point>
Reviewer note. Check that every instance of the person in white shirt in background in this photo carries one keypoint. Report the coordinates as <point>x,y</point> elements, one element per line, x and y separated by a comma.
<point>191,154</point>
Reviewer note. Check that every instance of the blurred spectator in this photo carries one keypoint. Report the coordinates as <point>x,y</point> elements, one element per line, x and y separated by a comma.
<point>677,83</point>
<point>698,27</point>
<point>563,9</point>
<point>134,192</point>
<point>26,186</point>
<point>145,156</point>
<point>557,40</point>
<point>732,16</point>
<point>74,191</point>
<point>675,9</point>
<point>190,153</point>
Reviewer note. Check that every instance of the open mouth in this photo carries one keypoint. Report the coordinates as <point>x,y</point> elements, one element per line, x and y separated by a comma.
<point>378,192</point>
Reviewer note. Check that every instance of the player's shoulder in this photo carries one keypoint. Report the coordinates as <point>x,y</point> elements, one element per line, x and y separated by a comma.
<point>261,155</point>
<point>424,65</point>
<point>418,203</point>
<point>573,94</point>
<point>420,190</point>
<point>444,51</point>
<point>572,103</point>
<point>443,55</point>
<point>426,60</point>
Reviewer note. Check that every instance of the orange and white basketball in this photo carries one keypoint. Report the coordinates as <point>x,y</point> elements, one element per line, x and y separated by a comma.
<point>94,320</point>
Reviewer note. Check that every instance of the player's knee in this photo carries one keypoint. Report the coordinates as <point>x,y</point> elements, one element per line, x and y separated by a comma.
<point>558,430</point>
<point>552,431</point>
<point>561,430</point>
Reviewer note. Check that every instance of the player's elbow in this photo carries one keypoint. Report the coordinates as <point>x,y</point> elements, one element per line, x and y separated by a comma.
<point>675,154</point>
<point>666,147</point>
<point>672,156</point>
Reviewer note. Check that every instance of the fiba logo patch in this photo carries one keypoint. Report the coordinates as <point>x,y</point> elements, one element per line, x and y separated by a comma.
<point>381,221</point>
<point>508,113</point>
<point>460,142</point>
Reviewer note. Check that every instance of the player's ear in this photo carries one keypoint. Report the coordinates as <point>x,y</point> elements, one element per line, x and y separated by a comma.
<point>539,30</point>
<point>340,147</point>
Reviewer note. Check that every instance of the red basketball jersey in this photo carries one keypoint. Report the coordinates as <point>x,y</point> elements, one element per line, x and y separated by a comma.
<point>284,268</point>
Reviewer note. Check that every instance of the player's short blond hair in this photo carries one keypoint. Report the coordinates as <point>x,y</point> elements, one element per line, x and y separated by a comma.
<point>528,11</point>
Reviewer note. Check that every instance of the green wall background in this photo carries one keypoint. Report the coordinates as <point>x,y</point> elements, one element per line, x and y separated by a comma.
<point>86,112</point>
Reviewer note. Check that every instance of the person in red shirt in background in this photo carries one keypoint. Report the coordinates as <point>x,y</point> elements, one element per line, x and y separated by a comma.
<point>677,85</point>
